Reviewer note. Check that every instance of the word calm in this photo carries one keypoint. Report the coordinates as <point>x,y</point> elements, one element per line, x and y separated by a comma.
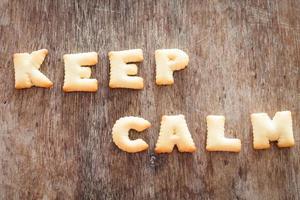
<point>174,131</point>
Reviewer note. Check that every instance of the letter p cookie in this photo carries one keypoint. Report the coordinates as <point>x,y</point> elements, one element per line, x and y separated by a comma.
<point>167,61</point>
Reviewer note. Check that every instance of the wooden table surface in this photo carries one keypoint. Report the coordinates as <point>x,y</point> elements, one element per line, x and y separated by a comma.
<point>244,58</point>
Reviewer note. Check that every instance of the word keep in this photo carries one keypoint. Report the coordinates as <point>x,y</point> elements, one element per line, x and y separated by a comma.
<point>77,78</point>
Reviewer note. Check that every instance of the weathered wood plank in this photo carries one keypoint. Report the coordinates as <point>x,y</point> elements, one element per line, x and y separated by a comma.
<point>244,58</point>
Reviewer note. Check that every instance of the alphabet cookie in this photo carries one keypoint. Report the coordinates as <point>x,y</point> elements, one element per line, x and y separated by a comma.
<point>174,131</point>
<point>120,134</point>
<point>167,61</point>
<point>121,73</point>
<point>279,129</point>
<point>27,72</point>
<point>77,78</point>
<point>216,141</point>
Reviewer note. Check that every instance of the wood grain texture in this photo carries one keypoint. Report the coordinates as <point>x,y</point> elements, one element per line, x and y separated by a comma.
<point>244,58</point>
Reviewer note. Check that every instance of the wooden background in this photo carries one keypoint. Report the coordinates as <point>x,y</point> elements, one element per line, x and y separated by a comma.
<point>244,58</point>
